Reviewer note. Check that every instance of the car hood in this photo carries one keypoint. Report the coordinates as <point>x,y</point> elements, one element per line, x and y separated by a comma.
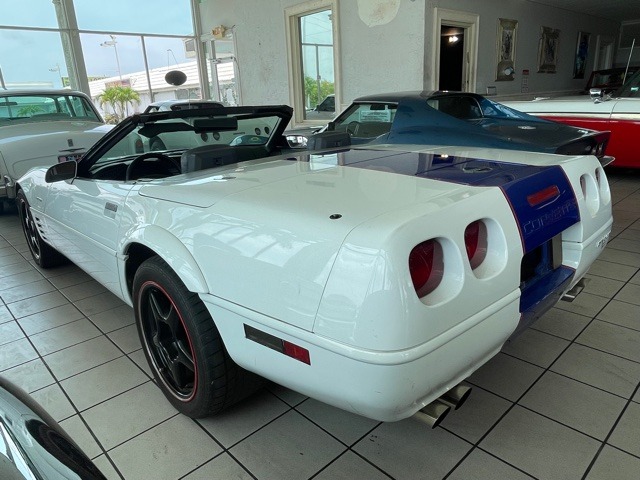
<point>309,179</point>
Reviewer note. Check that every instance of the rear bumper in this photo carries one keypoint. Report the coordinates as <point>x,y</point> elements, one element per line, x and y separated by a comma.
<point>580,255</point>
<point>577,258</point>
<point>383,385</point>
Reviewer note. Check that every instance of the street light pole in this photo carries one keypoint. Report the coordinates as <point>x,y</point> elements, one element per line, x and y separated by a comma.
<point>113,43</point>
<point>57,69</point>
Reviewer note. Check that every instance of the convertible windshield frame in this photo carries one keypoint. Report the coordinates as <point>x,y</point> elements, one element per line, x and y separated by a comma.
<point>131,125</point>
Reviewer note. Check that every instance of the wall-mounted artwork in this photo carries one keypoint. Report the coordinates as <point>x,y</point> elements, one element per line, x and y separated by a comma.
<point>548,51</point>
<point>582,52</point>
<point>506,49</point>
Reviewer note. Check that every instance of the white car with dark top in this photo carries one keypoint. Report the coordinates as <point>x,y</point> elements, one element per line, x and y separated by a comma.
<point>375,278</point>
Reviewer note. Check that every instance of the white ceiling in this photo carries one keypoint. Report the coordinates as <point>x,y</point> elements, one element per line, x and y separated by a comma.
<point>619,10</point>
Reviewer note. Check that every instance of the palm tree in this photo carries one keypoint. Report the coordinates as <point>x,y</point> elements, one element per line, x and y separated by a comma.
<point>118,97</point>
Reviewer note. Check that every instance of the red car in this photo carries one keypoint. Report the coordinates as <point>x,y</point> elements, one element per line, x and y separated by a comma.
<point>618,112</point>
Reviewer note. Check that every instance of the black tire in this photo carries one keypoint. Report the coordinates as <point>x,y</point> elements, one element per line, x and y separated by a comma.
<point>183,346</point>
<point>43,254</point>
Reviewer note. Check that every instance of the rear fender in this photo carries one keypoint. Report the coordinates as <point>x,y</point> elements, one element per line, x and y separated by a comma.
<point>171,250</point>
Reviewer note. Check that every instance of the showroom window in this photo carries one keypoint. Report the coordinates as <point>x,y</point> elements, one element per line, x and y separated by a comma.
<point>313,52</point>
<point>37,13</point>
<point>49,71</point>
<point>138,64</point>
<point>128,46</point>
<point>169,17</point>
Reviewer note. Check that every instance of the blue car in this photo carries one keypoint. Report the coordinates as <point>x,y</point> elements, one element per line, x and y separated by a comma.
<point>462,119</point>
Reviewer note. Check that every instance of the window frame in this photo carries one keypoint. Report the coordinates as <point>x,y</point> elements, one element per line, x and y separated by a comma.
<point>294,54</point>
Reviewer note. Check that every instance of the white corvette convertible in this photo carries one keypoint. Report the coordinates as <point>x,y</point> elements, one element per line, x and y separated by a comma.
<point>373,278</point>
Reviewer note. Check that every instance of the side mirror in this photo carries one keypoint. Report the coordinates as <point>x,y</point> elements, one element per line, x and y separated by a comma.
<point>595,93</point>
<point>61,171</point>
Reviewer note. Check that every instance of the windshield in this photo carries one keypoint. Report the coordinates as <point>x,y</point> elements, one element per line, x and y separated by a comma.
<point>631,87</point>
<point>471,107</point>
<point>366,120</point>
<point>176,135</point>
<point>38,108</point>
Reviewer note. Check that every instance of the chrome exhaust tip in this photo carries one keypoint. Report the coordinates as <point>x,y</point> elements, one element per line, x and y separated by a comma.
<point>456,397</point>
<point>433,413</point>
<point>571,295</point>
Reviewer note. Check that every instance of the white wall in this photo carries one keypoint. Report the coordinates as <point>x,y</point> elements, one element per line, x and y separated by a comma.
<point>261,48</point>
<point>397,55</point>
<point>381,58</point>
<point>375,58</point>
<point>530,16</point>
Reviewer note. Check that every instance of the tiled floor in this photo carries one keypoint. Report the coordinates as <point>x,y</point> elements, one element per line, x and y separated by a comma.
<point>561,402</point>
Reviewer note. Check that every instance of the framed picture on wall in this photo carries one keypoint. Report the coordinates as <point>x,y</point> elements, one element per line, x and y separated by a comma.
<point>582,52</point>
<point>548,50</point>
<point>506,49</point>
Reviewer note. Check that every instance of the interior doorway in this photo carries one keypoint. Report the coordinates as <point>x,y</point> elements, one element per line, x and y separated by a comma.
<point>452,71</point>
<point>455,50</point>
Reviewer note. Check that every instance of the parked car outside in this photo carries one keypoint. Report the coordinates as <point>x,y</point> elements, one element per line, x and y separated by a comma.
<point>37,127</point>
<point>461,118</point>
<point>325,110</point>
<point>327,105</point>
<point>168,105</point>
<point>618,112</point>
<point>371,277</point>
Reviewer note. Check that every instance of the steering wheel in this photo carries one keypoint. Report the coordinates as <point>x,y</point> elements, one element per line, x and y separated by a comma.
<point>166,162</point>
<point>353,127</point>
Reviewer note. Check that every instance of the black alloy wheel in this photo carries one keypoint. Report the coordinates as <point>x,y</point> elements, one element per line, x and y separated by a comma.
<point>29,227</point>
<point>43,254</point>
<point>183,346</point>
<point>168,341</point>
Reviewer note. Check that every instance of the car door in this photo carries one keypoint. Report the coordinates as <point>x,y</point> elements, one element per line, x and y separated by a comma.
<point>83,218</point>
<point>625,130</point>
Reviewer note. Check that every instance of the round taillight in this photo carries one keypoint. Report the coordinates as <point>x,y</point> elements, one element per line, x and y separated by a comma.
<point>475,242</point>
<point>426,267</point>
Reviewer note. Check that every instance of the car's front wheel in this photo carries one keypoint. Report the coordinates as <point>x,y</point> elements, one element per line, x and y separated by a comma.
<point>183,345</point>
<point>43,254</point>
